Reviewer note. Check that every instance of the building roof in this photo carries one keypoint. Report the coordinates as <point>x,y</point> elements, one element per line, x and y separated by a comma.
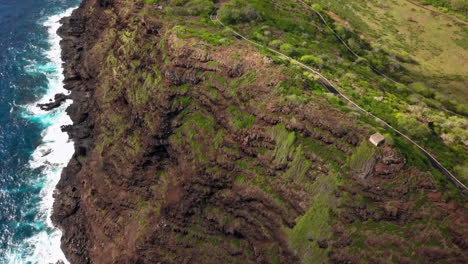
<point>377,139</point>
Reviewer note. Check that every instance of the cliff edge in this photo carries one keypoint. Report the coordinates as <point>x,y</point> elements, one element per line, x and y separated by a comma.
<point>192,146</point>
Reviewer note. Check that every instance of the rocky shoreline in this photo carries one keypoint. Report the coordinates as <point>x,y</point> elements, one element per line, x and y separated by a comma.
<point>67,212</point>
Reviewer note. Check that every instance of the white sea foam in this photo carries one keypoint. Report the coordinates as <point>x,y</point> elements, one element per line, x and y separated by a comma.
<point>52,155</point>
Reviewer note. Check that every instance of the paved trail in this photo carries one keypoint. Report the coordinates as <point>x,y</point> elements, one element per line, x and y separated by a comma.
<point>330,86</point>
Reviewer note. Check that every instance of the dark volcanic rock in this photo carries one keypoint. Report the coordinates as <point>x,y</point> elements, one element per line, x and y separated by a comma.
<point>67,213</point>
<point>322,243</point>
<point>58,100</point>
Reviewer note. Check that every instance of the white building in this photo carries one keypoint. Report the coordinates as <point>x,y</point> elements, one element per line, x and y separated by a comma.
<point>377,139</point>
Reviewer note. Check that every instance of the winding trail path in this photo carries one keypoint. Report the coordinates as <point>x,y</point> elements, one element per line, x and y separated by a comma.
<point>330,86</point>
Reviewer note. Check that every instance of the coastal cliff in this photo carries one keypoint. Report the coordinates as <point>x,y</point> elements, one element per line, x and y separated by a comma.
<point>192,146</point>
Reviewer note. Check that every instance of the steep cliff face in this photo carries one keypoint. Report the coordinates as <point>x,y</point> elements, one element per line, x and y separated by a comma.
<point>194,147</point>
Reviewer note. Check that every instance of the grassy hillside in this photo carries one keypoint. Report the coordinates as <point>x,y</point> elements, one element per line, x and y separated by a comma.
<point>437,43</point>
<point>455,7</point>
<point>411,105</point>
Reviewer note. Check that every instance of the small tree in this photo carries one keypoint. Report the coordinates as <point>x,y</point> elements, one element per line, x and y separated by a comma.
<point>413,127</point>
<point>311,59</point>
<point>353,44</point>
<point>422,89</point>
<point>317,7</point>
<point>287,49</point>
<point>275,43</point>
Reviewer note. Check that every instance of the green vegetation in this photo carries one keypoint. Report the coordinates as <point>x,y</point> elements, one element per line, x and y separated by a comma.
<point>284,142</point>
<point>262,146</point>
<point>312,60</point>
<point>458,7</point>
<point>329,153</point>
<point>198,131</point>
<point>364,231</point>
<point>190,7</point>
<point>299,165</point>
<point>238,11</point>
<point>418,109</point>
<point>239,119</point>
<point>135,145</point>
<point>113,133</point>
<point>316,223</point>
<point>150,2</point>
<point>405,35</point>
<point>361,156</point>
<point>216,38</point>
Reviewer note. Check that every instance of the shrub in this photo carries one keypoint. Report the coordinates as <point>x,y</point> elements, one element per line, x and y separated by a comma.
<point>414,128</point>
<point>361,156</point>
<point>299,165</point>
<point>422,89</point>
<point>311,59</point>
<point>459,5</point>
<point>275,43</point>
<point>284,143</point>
<point>237,11</point>
<point>287,49</point>
<point>317,7</point>
<point>353,44</point>
<point>240,119</point>
<point>462,171</point>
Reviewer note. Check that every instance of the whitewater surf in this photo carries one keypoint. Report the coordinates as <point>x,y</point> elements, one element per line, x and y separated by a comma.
<point>50,157</point>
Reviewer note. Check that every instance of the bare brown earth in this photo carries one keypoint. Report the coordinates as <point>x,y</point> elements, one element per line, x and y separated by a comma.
<point>189,169</point>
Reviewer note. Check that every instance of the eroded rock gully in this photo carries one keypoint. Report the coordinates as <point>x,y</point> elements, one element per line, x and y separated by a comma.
<point>182,154</point>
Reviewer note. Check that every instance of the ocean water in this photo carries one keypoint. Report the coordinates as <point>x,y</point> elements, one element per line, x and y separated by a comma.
<point>33,150</point>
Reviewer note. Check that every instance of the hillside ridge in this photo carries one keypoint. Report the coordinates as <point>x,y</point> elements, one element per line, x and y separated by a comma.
<point>192,146</point>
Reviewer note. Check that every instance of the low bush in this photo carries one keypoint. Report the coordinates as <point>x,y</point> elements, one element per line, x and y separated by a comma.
<point>311,59</point>
<point>287,49</point>
<point>421,89</point>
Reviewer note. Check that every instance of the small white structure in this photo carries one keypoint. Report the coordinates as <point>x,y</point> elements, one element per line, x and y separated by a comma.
<point>377,139</point>
<point>378,98</point>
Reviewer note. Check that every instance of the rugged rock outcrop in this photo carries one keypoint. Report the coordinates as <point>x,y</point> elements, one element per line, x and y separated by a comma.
<point>56,102</point>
